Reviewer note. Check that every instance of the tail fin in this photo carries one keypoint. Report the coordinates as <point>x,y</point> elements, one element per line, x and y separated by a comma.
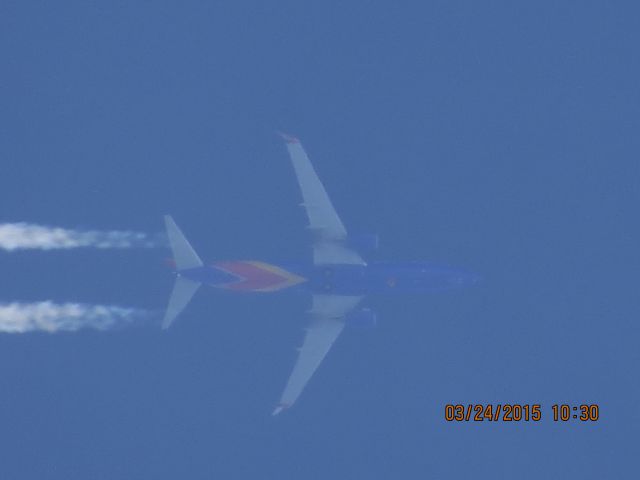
<point>185,258</point>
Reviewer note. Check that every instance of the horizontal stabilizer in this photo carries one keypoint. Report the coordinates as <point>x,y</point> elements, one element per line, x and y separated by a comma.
<point>183,253</point>
<point>183,290</point>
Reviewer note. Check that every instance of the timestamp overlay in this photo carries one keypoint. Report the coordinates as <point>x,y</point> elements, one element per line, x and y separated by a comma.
<point>521,412</point>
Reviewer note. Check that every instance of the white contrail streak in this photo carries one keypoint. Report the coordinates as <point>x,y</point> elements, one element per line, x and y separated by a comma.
<point>66,317</point>
<point>22,236</point>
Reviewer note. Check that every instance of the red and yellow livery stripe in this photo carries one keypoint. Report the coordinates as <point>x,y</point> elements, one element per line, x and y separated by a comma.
<point>254,276</point>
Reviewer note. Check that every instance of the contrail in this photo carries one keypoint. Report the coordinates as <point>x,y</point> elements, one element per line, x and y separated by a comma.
<point>53,317</point>
<point>22,236</point>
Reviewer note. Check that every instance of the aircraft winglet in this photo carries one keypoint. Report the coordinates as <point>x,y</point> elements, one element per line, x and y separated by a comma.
<point>288,138</point>
<point>279,408</point>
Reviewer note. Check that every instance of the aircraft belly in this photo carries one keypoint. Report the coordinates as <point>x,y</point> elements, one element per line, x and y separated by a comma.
<point>255,276</point>
<point>358,280</point>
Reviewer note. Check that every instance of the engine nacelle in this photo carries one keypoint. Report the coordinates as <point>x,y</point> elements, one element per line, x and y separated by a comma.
<point>363,242</point>
<point>363,318</point>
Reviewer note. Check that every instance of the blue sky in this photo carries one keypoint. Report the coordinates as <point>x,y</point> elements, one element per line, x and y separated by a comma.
<point>499,137</point>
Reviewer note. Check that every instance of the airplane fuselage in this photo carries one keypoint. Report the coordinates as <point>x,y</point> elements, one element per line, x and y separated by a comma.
<point>336,279</point>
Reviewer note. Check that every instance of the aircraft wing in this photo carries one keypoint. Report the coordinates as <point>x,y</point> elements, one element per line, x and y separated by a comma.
<point>327,321</point>
<point>324,222</point>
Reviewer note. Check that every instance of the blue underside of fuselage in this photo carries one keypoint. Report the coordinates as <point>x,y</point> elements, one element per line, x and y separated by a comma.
<point>354,279</point>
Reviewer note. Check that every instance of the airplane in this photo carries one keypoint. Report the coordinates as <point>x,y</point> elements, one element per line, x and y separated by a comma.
<point>337,277</point>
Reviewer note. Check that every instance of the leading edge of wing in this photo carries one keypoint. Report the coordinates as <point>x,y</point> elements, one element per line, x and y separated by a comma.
<point>324,222</point>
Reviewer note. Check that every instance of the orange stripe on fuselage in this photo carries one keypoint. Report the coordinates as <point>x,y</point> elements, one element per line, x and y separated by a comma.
<point>257,276</point>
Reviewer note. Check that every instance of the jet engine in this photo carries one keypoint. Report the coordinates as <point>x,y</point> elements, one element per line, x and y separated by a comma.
<point>363,318</point>
<point>364,242</point>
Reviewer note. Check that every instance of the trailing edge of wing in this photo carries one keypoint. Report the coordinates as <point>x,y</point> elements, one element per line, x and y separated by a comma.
<point>324,221</point>
<point>322,215</point>
<point>327,321</point>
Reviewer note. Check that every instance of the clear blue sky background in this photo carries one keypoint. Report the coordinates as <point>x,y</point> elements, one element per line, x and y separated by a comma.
<point>497,136</point>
